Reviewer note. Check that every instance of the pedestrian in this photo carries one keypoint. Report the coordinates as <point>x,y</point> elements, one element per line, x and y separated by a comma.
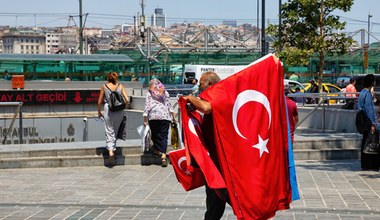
<point>158,112</point>
<point>112,119</point>
<point>313,89</point>
<point>195,89</point>
<point>365,102</point>
<point>215,200</point>
<point>292,111</point>
<point>7,76</point>
<point>298,99</point>
<point>350,88</point>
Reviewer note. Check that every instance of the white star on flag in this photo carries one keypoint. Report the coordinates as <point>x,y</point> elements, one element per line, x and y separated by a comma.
<point>262,146</point>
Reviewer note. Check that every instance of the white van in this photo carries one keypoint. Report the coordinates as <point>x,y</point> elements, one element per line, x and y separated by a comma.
<point>195,71</point>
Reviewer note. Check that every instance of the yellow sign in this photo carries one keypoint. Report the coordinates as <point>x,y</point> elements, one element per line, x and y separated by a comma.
<point>365,59</point>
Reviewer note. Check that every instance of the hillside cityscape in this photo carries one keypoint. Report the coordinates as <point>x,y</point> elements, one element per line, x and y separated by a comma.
<point>53,40</point>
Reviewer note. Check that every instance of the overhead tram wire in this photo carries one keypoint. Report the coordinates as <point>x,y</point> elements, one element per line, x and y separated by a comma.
<point>48,22</point>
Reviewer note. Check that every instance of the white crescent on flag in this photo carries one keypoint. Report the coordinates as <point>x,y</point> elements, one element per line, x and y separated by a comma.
<point>252,96</point>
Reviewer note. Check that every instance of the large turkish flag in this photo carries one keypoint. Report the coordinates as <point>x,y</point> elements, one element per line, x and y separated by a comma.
<point>250,126</point>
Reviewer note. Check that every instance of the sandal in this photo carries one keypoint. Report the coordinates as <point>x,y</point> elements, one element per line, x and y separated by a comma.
<point>164,162</point>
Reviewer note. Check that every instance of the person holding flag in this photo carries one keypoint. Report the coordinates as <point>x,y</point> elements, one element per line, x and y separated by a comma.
<point>245,132</point>
<point>215,200</point>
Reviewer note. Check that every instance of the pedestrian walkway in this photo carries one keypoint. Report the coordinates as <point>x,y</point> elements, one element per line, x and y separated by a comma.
<point>329,190</point>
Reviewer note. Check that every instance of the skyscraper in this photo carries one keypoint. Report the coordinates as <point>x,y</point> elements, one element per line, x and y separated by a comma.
<point>158,18</point>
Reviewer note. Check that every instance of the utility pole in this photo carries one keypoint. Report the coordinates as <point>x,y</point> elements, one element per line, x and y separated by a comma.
<point>142,21</point>
<point>80,28</point>
<point>263,43</point>
<point>279,24</point>
<point>369,25</point>
<point>258,23</point>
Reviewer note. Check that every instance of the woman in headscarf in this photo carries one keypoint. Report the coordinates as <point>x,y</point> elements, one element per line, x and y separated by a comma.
<point>158,113</point>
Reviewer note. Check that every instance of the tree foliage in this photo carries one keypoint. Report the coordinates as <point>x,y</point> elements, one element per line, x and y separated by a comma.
<point>309,27</point>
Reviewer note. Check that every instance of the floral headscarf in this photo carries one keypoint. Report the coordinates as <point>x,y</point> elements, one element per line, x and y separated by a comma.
<point>157,90</point>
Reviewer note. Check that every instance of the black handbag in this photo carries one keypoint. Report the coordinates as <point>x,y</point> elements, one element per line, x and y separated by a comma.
<point>362,122</point>
<point>372,145</point>
<point>122,132</point>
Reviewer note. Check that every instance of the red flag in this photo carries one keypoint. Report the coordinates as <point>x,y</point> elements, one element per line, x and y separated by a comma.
<point>194,144</point>
<point>189,177</point>
<point>251,138</point>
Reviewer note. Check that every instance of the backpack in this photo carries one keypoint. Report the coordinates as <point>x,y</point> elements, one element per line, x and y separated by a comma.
<point>116,102</point>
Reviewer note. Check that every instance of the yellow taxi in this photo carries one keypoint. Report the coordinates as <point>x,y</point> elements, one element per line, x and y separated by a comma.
<point>328,88</point>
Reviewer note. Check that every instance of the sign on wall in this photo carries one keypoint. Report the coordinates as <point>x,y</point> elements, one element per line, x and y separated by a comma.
<point>29,97</point>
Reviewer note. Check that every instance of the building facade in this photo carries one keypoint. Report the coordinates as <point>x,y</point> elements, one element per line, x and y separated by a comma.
<point>158,18</point>
<point>63,40</point>
<point>24,43</point>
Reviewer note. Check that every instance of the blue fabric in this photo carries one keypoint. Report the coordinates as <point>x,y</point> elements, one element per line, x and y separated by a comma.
<point>292,167</point>
<point>366,102</point>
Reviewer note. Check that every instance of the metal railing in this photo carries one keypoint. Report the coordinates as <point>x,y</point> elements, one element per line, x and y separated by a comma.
<point>323,99</point>
<point>17,112</point>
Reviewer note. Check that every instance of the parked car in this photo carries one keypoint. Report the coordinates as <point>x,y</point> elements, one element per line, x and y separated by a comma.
<point>328,88</point>
<point>293,85</point>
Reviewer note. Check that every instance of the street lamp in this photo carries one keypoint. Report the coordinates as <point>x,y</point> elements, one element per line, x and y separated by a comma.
<point>369,23</point>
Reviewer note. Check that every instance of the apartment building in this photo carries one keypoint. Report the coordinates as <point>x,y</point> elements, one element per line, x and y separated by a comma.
<point>24,42</point>
<point>61,41</point>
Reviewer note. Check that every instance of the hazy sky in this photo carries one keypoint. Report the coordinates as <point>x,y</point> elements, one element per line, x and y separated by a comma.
<point>105,13</point>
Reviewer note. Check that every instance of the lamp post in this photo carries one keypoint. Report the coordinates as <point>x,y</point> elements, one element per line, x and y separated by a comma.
<point>369,24</point>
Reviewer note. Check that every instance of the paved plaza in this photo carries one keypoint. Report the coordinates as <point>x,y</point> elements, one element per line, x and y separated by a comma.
<point>329,190</point>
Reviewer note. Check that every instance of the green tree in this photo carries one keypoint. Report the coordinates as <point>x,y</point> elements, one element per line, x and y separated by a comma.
<point>310,27</point>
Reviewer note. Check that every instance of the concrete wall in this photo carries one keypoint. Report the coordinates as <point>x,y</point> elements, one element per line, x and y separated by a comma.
<point>65,128</point>
<point>338,120</point>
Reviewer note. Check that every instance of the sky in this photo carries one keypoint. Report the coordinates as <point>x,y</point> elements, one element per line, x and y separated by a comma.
<point>106,13</point>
